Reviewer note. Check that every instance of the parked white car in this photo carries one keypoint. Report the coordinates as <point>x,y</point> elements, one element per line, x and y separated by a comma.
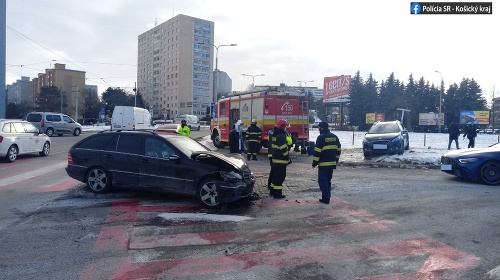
<point>19,137</point>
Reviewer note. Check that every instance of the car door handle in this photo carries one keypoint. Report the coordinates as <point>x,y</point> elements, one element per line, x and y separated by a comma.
<point>109,156</point>
<point>143,160</point>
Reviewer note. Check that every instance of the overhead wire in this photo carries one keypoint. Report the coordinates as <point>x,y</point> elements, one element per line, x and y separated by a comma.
<point>29,40</point>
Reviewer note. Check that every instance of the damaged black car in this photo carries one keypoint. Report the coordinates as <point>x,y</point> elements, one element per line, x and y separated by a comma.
<point>174,163</point>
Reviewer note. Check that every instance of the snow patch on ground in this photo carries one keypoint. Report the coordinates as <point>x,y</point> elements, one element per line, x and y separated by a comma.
<point>203,217</point>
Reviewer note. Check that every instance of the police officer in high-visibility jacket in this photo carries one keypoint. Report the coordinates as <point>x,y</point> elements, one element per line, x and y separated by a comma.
<point>253,136</point>
<point>280,157</point>
<point>326,155</point>
<point>184,129</point>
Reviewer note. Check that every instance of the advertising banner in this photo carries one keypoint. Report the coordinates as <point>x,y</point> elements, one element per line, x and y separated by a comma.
<point>336,89</point>
<point>374,117</point>
<point>431,119</point>
<point>475,117</point>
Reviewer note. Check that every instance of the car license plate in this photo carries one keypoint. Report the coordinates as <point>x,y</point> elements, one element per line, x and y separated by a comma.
<point>446,167</point>
<point>379,147</point>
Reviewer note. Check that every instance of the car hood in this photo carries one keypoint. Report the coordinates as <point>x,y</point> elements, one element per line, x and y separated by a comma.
<point>470,152</point>
<point>377,136</point>
<point>235,160</point>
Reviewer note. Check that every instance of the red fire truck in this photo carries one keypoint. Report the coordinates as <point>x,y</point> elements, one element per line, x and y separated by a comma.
<point>265,107</point>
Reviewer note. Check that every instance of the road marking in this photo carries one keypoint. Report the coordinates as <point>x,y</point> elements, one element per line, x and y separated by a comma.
<point>28,175</point>
<point>440,257</point>
<point>124,230</point>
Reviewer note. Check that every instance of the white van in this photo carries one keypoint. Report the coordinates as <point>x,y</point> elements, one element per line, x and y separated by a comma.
<point>130,118</point>
<point>191,121</point>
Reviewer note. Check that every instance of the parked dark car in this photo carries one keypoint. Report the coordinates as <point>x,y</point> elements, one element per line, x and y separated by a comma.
<point>386,137</point>
<point>478,164</point>
<point>170,162</point>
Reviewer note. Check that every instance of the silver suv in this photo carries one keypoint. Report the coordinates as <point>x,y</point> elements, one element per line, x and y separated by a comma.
<point>54,123</point>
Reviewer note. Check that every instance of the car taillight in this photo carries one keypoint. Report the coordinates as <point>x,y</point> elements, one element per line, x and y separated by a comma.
<point>70,159</point>
<point>42,123</point>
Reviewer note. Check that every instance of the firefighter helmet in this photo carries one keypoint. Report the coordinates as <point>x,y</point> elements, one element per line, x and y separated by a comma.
<point>282,123</point>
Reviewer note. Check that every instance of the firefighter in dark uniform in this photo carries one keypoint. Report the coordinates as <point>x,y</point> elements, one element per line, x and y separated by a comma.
<point>326,155</point>
<point>289,142</point>
<point>280,157</point>
<point>253,136</point>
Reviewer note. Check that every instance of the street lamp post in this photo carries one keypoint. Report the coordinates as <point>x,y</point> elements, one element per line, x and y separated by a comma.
<point>306,93</point>
<point>216,84</point>
<point>440,100</point>
<point>253,78</point>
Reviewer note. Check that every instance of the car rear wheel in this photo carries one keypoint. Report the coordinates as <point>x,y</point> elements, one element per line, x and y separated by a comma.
<point>207,193</point>
<point>49,132</point>
<point>98,180</point>
<point>489,173</point>
<point>45,150</point>
<point>76,132</point>
<point>11,154</point>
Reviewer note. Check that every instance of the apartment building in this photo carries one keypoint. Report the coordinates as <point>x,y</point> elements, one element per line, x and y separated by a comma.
<point>174,67</point>
<point>70,82</point>
<point>21,91</point>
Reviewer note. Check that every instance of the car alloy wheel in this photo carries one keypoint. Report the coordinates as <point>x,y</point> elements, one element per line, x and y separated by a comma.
<point>490,172</point>
<point>207,193</point>
<point>77,132</point>
<point>98,180</point>
<point>11,154</point>
<point>45,150</point>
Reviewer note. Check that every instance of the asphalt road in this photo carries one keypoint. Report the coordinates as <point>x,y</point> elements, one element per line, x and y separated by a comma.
<point>383,223</point>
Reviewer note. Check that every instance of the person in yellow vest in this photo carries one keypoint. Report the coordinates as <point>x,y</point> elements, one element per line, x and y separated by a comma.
<point>184,129</point>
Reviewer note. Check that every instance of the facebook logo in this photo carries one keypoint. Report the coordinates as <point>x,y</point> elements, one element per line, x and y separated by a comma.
<point>415,8</point>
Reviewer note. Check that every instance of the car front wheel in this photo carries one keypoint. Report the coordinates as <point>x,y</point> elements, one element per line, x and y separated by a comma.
<point>98,180</point>
<point>45,150</point>
<point>490,173</point>
<point>207,193</point>
<point>11,154</point>
<point>76,132</point>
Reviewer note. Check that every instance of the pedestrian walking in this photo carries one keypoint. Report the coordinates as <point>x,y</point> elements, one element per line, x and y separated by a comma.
<point>280,157</point>
<point>253,136</point>
<point>184,129</point>
<point>326,155</point>
<point>453,133</point>
<point>471,133</point>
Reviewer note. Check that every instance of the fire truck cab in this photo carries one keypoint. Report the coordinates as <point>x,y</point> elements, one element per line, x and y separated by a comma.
<point>265,107</point>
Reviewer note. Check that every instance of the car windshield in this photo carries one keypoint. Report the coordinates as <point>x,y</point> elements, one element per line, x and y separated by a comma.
<point>187,145</point>
<point>384,128</point>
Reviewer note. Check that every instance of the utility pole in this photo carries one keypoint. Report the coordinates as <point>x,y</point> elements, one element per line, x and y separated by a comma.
<point>76,105</point>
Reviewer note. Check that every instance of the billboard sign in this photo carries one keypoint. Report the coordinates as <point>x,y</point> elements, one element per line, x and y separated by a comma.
<point>431,119</point>
<point>475,117</point>
<point>374,117</point>
<point>336,89</point>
